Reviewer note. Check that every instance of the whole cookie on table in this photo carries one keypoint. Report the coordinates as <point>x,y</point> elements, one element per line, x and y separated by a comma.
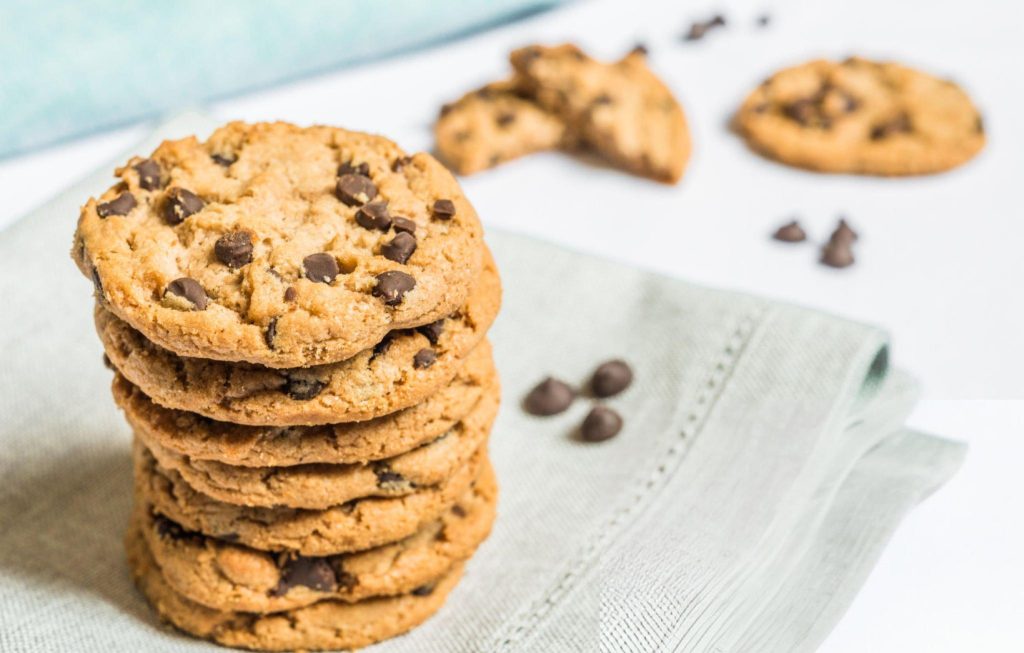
<point>200,438</point>
<point>492,125</point>
<point>279,245</point>
<point>226,576</point>
<point>351,526</point>
<point>327,624</point>
<point>861,116</point>
<point>320,486</point>
<point>622,110</point>
<point>402,370</point>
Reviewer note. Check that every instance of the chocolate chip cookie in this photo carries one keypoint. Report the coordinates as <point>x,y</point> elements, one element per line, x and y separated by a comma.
<point>279,245</point>
<point>329,624</point>
<point>492,125</point>
<point>351,526</point>
<point>400,371</point>
<point>200,438</point>
<point>320,486</point>
<point>226,576</point>
<point>621,110</point>
<point>861,116</point>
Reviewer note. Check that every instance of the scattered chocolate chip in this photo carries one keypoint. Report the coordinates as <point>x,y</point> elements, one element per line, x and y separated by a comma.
<point>400,248</point>
<point>446,109</point>
<point>349,169</point>
<point>149,174</point>
<point>303,388</point>
<point>837,254</point>
<point>843,233</point>
<point>803,110</point>
<point>106,362</point>
<point>423,590</point>
<point>374,216</point>
<point>611,378</point>
<point>120,205</point>
<point>699,30</point>
<point>444,209</point>
<point>459,510</point>
<point>290,293</point>
<point>355,190</point>
<point>432,331</point>
<point>790,233</point>
<point>97,284</point>
<point>549,397</point>
<point>305,571</point>
<point>271,332</point>
<point>349,506</point>
<point>322,267</point>
<point>898,125</point>
<point>717,21</point>
<point>424,358</point>
<point>641,49</point>
<point>234,249</point>
<point>600,424</point>
<point>180,204</point>
<point>979,124</point>
<point>764,20</point>
<point>403,224</point>
<point>392,286</point>
<point>386,476</point>
<point>505,118</point>
<point>190,290</point>
<point>399,163</point>
<point>223,159</point>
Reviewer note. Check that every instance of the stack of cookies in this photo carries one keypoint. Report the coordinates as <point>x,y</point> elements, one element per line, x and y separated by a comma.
<point>296,320</point>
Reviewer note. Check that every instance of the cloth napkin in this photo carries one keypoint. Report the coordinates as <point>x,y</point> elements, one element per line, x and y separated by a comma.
<point>761,470</point>
<point>75,66</point>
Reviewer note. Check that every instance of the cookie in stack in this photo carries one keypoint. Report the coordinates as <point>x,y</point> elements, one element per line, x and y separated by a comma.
<point>297,322</point>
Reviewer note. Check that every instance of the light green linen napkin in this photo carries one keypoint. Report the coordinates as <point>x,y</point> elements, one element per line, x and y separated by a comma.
<point>761,470</point>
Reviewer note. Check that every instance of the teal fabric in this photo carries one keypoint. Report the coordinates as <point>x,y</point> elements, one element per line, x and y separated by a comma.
<point>72,67</point>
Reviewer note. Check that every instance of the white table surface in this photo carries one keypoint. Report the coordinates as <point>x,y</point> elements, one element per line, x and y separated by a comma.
<point>940,260</point>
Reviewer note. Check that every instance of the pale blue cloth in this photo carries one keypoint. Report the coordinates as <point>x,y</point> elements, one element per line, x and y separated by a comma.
<point>70,67</point>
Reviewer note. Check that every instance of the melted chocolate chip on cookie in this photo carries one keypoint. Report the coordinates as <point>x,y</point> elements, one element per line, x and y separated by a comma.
<point>374,215</point>
<point>392,286</point>
<point>120,205</point>
<point>444,209</point>
<point>149,174</point>
<point>190,290</point>
<point>322,267</point>
<point>400,248</point>
<point>355,190</point>
<point>424,358</point>
<point>234,249</point>
<point>314,573</point>
<point>179,204</point>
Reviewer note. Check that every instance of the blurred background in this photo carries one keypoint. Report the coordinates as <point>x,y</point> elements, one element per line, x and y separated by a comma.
<point>939,261</point>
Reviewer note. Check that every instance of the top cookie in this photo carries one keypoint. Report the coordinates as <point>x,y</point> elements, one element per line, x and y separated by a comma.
<point>859,116</point>
<point>279,245</point>
<point>622,110</point>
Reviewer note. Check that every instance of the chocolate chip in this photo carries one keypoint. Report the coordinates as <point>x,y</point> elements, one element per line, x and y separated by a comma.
<point>803,110</point>
<point>223,159</point>
<point>423,590</point>
<point>290,294</point>
<point>190,290</point>
<point>424,358</point>
<point>392,286</point>
<point>385,476</point>
<point>979,124</point>
<point>600,424</point>
<point>444,209</point>
<point>843,233</point>
<point>349,169</point>
<point>764,20</point>
<point>432,331</point>
<point>837,254</point>
<point>898,125</point>
<point>400,248</point>
<point>505,118</point>
<point>640,49</point>
<point>305,571</point>
<point>384,345</point>
<point>180,204</point>
<point>322,267</point>
<point>549,397</point>
<point>446,109</point>
<point>790,233</point>
<point>374,216</point>
<point>697,32</point>
<point>399,163</point>
<point>349,507</point>
<point>850,103</point>
<point>717,21</point>
<point>403,224</point>
<point>611,378</point>
<point>106,362</point>
<point>234,249</point>
<point>346,580</point>
<point>149,174</point>
<point>303,388</point>
<point>172,530</point>
<point>120,205</point>
<point>97,284</point>
<point>271,332</point>
<point>459,510</point>
<point>355,190</point>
